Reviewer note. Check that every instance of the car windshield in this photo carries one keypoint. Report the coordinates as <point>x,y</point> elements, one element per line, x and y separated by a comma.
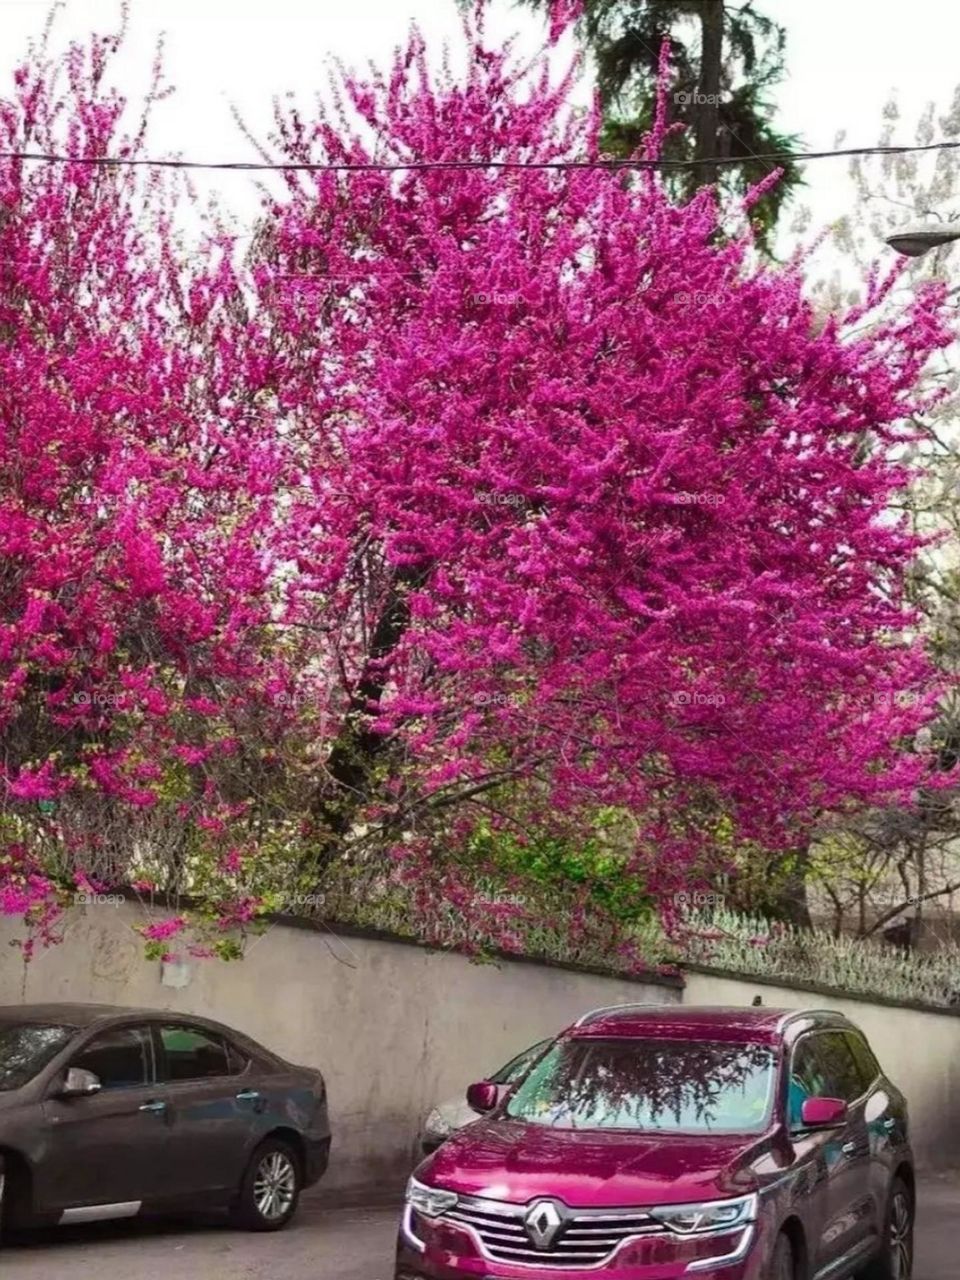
<point>681,1086</point>
<point>26,1048</point>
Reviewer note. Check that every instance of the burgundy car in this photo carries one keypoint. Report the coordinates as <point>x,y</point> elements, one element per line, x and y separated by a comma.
<point>649,1143</point>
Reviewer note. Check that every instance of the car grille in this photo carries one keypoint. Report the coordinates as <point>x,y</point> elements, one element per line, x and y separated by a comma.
<point>587,1238</point>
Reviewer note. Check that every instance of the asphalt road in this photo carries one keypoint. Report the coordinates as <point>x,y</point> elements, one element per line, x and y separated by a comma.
<point>325,1244</point>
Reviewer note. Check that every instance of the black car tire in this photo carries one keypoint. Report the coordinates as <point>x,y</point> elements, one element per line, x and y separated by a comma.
<point>895,1259</point>
<point>782,1264</point>
<point>270,1189</point>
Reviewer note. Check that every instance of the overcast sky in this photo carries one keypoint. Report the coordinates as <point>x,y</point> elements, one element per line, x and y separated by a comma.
<point>843,58</point>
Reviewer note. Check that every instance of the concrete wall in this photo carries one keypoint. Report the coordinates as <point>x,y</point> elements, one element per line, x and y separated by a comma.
<point>395,1028</point>
<point>918,1049</point>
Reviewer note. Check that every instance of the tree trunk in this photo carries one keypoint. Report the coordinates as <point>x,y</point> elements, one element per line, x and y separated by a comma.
<point>708,93</point>
<point>346,786</point>
<point>790,903</point>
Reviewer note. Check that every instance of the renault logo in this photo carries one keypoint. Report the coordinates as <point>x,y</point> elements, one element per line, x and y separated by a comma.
<point>543,1221</point>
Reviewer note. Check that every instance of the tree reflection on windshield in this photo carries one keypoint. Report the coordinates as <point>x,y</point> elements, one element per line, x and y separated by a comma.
<point>25,1048</point>
<point>679,1085</point>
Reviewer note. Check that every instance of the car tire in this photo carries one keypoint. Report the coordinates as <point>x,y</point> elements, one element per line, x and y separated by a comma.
<point>895,1260</point>
<point>783,1265</point>
<point>270,1189</point>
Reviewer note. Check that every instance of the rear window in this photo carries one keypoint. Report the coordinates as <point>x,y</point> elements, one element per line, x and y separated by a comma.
<point>679,1086</point>
<point>193,1053</point>
<point>26,1048</point>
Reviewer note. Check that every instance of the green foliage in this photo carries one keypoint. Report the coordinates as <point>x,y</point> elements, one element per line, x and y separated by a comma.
<point>592,865</point>
<point>625,37</point>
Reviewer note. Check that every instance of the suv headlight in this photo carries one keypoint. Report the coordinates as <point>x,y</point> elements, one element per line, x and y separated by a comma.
<point>430,1201</point>
<point>708,1215</point>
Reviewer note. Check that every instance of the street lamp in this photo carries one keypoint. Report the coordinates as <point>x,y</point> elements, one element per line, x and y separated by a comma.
<point>920,237</point>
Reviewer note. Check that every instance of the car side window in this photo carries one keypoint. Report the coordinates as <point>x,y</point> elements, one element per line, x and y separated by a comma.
<point>867,1065</point>
<point>194,1053</point>
<point>823,1066</point>
<point>843,1069</point>
<point>121,1058</point>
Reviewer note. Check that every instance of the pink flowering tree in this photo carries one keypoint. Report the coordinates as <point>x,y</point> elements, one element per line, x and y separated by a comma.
<point>130,584</point>
<point>478,497</point>
<point>579,499</point>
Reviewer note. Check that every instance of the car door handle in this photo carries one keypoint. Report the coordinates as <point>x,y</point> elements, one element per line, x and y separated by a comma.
<point>154,1106</point>
<point>248,1095</point>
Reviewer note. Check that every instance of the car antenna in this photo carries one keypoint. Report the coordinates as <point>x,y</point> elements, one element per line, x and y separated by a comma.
<point>757,1000</point>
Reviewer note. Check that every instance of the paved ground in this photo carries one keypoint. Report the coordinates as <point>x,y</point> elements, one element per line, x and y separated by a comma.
<point>342,1244</point>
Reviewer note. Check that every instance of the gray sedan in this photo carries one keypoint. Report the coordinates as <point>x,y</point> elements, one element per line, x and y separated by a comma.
<point>108,1112</point>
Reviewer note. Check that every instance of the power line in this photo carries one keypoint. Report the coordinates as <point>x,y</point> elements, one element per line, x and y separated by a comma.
<point>375,166</point>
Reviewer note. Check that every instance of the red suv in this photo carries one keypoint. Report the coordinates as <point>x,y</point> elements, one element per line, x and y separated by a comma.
<point>648,1143</point>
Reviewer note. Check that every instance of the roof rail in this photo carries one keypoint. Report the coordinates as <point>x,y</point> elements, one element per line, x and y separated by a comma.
<point>808,1013</point>
<point>613,1008</point>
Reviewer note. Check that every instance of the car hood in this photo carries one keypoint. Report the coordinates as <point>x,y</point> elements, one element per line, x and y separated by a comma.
<point>514,1161</point>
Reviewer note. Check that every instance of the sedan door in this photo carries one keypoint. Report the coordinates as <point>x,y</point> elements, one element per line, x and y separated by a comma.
<point>105,1153</point>
<point>214,1108</point>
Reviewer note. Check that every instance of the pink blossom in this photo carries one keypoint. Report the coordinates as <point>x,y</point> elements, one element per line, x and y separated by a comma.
<point>163,929</point>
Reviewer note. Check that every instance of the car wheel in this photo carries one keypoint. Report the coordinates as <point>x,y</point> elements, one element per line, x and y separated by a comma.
<point>270,1188</point>
<point>895,1259</point>
<point>782,1265</point>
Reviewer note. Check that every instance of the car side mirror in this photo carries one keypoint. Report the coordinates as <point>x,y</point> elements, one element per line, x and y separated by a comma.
<point>823,1113</point>
<point>79,1083</point>
<point>483,1096</point>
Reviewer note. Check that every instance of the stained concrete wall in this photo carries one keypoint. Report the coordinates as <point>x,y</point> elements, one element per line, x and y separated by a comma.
<point>918,1049</point>
<point>394,1027</point>
<point>397,1028</point>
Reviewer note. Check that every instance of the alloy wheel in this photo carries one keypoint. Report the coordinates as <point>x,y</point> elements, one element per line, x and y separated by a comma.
<point>901,1237</point>
<point>275,1185</point>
